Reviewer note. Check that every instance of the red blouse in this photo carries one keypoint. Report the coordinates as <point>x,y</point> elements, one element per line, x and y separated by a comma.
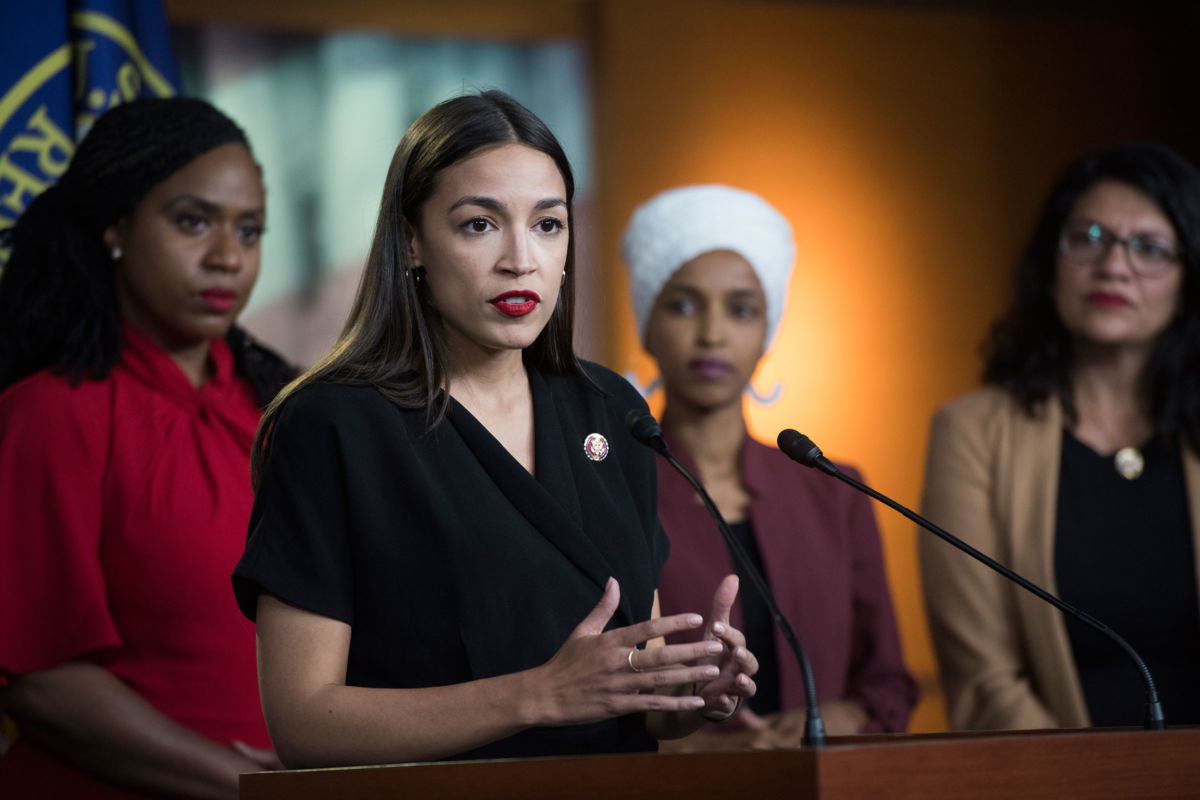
<point>123,510</point>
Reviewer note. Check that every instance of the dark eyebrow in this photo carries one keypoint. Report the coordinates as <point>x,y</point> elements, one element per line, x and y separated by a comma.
<point>207,206</point>
<point>491,204</point>
<point>1160,237</point>
<point>476,200</point>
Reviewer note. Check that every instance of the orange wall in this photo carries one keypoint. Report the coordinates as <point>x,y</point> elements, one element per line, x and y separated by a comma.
<point>910,149</point>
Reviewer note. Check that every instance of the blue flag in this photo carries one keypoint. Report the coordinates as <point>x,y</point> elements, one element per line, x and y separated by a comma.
<point>62,64</point>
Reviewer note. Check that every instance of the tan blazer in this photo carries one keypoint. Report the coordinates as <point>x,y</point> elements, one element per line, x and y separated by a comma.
<point>991,478</point>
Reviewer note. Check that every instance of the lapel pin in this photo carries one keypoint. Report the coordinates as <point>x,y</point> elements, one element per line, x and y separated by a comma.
<point>595,447</point>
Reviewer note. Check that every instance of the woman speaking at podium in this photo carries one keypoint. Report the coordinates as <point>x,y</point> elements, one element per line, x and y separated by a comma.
<point>1076,465</point>
<point>455,546</point>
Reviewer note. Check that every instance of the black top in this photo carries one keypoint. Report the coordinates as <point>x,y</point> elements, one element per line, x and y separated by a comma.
<point>757,624</point>
<point>449,560</point>
<point>1123,553</point>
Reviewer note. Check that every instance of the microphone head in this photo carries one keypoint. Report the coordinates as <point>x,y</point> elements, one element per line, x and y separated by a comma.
<point>799,447</point>
<point>645,428</point>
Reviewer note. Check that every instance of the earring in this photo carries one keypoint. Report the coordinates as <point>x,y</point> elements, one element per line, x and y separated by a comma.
<point>764,399</point>
<point>116,254</point>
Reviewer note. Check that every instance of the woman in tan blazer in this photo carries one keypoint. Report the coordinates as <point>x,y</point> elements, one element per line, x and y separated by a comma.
<point>1076,464</point>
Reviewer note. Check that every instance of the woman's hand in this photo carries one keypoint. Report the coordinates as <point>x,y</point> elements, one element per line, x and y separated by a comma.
<point>783,730</point>
<point>596,675</point>
<point>88,717</point>
<point>317,720</point>
<point>755,733</point>
<point>264,757</point>
<point>723,693</point>
<point>841,717</point>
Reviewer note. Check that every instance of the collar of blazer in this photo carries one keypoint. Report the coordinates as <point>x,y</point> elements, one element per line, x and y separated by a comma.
<point>549,501</point>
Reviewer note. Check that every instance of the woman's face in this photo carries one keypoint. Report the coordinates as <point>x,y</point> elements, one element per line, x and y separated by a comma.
<point>1103,300</point>
<point>707,330</point>
<point>190,249</point>
<point>492,239</point>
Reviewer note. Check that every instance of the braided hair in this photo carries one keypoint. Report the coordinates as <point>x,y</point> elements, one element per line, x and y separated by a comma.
<point>58,309</point>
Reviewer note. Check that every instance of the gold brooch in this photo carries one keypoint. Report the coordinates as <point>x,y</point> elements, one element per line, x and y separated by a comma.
<point>1129,463</point>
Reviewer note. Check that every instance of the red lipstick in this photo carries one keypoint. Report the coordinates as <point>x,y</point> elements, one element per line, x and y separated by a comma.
<point>516,304</point>
<point>219,300</point>
<point>1107,300</point>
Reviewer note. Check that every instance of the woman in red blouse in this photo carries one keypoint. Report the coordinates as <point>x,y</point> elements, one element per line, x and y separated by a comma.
<point>128,406</point>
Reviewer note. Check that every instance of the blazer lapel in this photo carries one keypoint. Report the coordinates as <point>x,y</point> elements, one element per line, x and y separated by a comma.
<point>562,469</point>
<point>549,502</point>
<point>552,453</point>
<point>1037,458</point>
<point>1036,455</point>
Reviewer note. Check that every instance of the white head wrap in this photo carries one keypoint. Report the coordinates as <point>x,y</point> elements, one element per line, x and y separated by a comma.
<point>672,228</point>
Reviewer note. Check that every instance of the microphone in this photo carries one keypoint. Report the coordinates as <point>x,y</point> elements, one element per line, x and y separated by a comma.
<point>647,431</point>
<point>804,450</point>
<point>801,449</point>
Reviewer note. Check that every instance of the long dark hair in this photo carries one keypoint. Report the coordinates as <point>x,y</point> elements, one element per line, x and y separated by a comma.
<point>58,309</point>
<point>1028,351</point>
<point>394,339</point>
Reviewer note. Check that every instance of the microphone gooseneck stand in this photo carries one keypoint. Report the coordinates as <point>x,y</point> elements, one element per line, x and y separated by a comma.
<point>648,432</point>
<point>803,450</point>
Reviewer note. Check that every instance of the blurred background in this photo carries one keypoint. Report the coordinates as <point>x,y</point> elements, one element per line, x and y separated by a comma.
<point>909,143</point>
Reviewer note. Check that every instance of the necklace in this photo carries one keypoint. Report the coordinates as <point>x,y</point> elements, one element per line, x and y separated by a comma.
<point>1129,463</point>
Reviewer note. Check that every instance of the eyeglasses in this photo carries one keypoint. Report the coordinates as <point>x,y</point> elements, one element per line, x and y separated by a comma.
<point>1086,243</point>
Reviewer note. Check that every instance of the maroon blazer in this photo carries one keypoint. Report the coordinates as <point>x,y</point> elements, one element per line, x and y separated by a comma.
<point>822,559</point>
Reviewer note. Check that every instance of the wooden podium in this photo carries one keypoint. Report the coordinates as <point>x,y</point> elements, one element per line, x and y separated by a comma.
<point>1056,765</point>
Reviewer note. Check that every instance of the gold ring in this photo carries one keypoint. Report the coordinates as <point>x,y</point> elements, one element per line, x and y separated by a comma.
<point>629,658</point>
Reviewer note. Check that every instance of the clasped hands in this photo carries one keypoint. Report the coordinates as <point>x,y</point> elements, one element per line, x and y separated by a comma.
<point>599,674</point>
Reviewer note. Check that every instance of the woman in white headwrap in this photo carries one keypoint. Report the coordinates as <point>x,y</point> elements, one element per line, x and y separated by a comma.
<point>709,268</point>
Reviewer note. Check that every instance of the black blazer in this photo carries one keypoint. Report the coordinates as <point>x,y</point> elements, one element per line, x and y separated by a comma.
<point>449,560</point>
